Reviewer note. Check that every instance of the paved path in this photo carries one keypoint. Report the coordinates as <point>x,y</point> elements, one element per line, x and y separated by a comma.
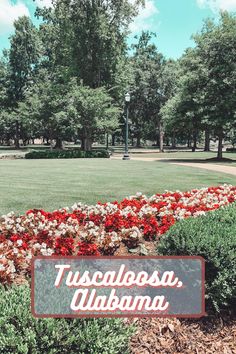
<point>207,166</point>
<point>212,167</point>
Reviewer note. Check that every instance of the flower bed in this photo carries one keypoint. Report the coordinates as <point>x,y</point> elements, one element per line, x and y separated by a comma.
<point>102,229</point>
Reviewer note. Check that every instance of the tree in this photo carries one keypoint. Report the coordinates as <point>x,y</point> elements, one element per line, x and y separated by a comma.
<point>183,112</point>
<point>3,83</point>
<point>88,37</point>
<point>205,98</point>
<point>216,46</point>
<point>147,65</point>
<point>167,88</point>
<point>86,40</point>
<point>94,112</point>
<point>44,110</point>
<point>23,57</point>
<point>6,127</point>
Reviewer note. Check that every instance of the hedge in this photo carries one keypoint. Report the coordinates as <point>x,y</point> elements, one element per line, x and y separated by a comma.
<point>214,238</point>
<point>66,154</point>
<point>21,333</point>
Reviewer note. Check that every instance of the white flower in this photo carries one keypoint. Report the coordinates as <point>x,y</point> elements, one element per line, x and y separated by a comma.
<point>47,251</point>
<point>19,242</point>
<point>2,268</point>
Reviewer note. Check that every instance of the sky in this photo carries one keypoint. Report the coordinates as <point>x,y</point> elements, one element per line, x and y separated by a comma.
<point>174,21</point>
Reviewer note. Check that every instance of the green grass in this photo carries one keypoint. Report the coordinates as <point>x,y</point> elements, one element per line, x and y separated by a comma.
<point>51,184</point>
<point>11,152</point>
<point>198,155</point>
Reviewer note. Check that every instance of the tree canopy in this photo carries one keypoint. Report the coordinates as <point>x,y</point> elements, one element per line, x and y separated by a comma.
<point>66,80</point>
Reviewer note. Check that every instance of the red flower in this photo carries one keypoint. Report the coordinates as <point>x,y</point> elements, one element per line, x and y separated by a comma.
<point>14,238</point>
<point>150,228</point>
<point>64,246</point>
<point>113,222</point>
<point>87,249</point>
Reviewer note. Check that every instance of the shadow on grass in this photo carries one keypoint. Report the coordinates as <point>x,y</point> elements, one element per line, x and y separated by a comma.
<point>167,151</point>
<point>206,161</point>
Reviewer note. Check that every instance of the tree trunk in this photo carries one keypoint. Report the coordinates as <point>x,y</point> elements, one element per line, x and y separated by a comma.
<point>113,139</point>
<point>82,144</point>
<point>220,146</point>
<point>189,143</point>
<point>17,138</point>
<point>87,144</point>
<point>107,141</point>
<point>59,144</point>
<point>207,140</point>
<point>161,136</point>
<point>138,141</point>
<point>194,141</point>
<point>173,142</point>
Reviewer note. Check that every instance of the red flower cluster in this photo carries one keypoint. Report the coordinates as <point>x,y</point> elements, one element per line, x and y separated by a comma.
<point>87,249</point>
<point>100,229</point>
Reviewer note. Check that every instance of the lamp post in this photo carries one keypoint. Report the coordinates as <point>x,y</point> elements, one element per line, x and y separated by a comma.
<point>127,101</point>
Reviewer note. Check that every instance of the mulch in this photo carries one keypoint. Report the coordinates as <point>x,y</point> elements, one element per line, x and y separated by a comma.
<point>150,249</point>
<point>209,335</point>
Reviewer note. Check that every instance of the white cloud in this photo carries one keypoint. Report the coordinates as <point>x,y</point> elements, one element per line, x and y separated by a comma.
<point>9,12</point>
<point>144,20</point>
<point>42,3</point>
<point>216,5</point>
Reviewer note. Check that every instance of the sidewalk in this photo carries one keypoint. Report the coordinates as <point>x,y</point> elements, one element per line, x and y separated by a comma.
<point>212,167</point>
<point>207,166</point>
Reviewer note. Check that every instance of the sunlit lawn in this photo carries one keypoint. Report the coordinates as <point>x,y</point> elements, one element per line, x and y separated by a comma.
<point>50,184</point>
<point>198,155</point>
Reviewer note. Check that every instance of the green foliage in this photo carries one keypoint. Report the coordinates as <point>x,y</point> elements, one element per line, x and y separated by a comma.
<point>67,111</point>
<point>20,64</point>
<point>79,44</point>
<point>67,79</point>
<point>44,111</point>
<point>93,110</point>
<point>88,38</point>
<point>21,333</point>
<point>23,56</point>
<point>205,95</point>
<point>213,237</point>
<point>3,83</point>
<point>66,154</point>
<point>147,64</point>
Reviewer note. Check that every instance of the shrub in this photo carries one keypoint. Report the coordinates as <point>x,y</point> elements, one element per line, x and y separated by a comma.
<point>66,154</point>
<point>214,238</point>
<point>231,149</point>
<point>22,333</point>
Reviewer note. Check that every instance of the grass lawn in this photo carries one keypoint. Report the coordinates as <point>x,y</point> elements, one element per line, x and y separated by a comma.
<point>51,184</point>
<point>198,155</point>
<point>11,152</point>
